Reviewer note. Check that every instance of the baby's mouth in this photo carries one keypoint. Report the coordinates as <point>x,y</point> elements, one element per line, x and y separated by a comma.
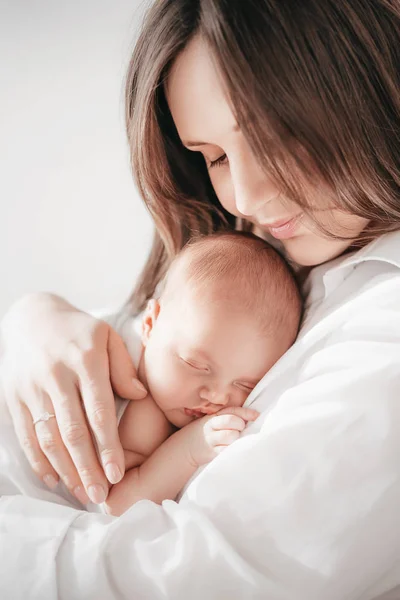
<point>197,414</point>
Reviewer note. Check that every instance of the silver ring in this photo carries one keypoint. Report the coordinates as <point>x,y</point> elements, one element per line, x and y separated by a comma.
<point>43,417</point>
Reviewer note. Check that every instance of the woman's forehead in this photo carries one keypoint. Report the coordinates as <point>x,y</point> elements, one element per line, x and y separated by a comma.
<point>196,96</point>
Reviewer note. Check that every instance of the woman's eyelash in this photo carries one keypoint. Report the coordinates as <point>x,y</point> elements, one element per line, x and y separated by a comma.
<point>218,162</point>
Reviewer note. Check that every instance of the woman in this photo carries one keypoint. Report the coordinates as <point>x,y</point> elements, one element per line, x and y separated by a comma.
<point>283,117</point>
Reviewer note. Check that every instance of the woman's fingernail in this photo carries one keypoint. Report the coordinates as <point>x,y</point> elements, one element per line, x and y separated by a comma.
<point>139,386</point>
<point>50,481</point>
<point>113,473</point>
<point>80,493</point>
<point>97,493</point>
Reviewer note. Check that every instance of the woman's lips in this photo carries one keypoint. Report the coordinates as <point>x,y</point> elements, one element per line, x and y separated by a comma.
<point>283,230</point>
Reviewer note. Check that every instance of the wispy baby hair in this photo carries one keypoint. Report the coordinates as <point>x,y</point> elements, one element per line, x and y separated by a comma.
<point>245,271</point>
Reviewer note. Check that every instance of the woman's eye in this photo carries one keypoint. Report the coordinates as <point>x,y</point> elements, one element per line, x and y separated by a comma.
<point>218,162</point>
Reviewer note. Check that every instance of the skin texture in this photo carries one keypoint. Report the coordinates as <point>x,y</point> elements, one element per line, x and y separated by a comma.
<point>70,356</point>
<point>202,113</point>
<point>202,354</point>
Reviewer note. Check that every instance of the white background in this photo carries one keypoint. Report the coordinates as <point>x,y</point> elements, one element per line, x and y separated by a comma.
<point>71,220</point>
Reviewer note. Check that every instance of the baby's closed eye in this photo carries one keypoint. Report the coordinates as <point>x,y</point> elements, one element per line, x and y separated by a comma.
<point>247,387</point>
<point>195,365</point>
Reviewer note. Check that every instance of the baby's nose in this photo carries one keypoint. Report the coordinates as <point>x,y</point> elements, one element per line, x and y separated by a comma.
<point>221,398</point>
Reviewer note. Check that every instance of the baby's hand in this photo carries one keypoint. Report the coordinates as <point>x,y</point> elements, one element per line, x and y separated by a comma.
<point>210,435</point>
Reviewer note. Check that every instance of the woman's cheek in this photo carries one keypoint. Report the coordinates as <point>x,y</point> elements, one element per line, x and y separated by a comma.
<point>223,188</point>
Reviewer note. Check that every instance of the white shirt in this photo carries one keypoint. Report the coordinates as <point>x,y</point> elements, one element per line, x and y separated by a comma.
<point>305,506</point>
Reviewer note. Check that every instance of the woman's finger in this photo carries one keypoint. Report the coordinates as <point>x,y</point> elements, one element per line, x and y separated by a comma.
<point>99,403</point>
<point>123,374</point>
<point>74,452</point>
<point>52,446</point>
<point>50,442</point>
<point>26,434</point>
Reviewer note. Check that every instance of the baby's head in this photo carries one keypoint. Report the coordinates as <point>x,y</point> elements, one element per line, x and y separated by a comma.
<point>230,308</point>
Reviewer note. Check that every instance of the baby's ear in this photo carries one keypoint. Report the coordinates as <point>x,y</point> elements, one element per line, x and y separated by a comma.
<point>150,316</point>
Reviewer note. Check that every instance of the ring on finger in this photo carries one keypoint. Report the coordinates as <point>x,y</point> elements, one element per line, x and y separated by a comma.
<point>43,417</point>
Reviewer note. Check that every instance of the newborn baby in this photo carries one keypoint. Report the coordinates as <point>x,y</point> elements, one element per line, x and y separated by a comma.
<point>230,308</point>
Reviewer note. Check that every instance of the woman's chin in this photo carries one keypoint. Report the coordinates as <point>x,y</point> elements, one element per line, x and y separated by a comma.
<point>311,250</point>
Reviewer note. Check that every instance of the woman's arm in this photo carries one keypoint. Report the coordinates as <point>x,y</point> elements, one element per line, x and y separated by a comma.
<point>164,473</point>
<point>307,507</point>
<point>58,359</point>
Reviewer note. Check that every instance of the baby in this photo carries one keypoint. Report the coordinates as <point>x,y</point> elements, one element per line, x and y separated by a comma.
<point>230,308</point>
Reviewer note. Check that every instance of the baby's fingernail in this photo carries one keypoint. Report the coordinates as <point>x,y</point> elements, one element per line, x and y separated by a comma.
<point>97,493</point>
<point>139,386</point>
<point>80,493</point>
<point>113,473</point>
<point>50,481</point>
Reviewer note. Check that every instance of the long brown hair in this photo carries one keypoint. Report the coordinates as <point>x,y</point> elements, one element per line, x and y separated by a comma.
<point>315,88</point>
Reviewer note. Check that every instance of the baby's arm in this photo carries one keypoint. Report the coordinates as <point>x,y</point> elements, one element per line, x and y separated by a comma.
<point>142,429</point>
<point>171,465</point>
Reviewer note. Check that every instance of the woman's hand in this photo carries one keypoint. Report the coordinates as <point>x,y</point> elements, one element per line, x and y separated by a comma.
<point>56,359</point>
<point>208,436</point>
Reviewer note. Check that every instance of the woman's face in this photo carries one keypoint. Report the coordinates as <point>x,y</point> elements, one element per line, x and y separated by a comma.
<point>206,124</point>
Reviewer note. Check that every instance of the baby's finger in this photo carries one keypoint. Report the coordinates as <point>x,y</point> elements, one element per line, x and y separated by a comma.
<point>247,414</point>
<point>228,421</point>
<point>225,437</point>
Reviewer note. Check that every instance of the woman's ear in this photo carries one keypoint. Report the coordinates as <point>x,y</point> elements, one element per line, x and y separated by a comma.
<point>149,318</point>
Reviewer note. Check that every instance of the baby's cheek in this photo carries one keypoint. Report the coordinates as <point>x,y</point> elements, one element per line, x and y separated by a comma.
<point>164,383</point>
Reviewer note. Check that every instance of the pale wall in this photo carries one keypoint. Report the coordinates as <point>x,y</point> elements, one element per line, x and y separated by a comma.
<point>71,220</point>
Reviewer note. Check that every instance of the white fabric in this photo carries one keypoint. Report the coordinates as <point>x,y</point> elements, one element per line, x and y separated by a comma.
<point>303,507</point>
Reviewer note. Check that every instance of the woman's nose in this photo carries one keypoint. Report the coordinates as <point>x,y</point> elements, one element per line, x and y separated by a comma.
<point>252,188</point>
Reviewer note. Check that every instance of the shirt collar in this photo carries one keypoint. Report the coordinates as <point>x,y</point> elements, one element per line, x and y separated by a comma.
<point>328,276</point>
<point>386,248</point>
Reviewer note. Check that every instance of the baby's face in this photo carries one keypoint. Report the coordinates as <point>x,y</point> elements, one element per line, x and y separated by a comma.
<point>203,355</point>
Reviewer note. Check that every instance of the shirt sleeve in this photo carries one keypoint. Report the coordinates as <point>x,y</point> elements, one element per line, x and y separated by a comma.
<point>304,508</point>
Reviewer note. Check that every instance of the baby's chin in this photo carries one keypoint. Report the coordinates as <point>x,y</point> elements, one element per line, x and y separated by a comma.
<point>177,417</point>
